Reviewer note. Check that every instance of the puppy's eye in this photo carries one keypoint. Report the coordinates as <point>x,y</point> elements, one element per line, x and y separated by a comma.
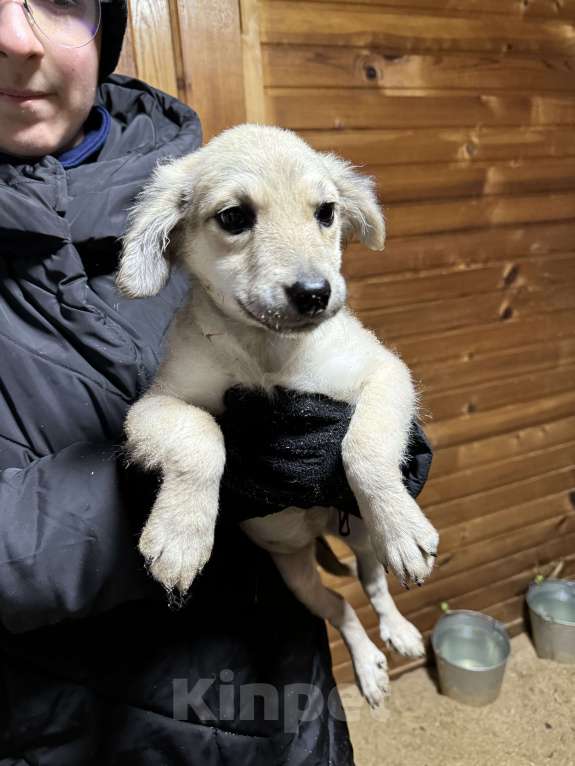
<point>325,213</point>
<point>235,220</point>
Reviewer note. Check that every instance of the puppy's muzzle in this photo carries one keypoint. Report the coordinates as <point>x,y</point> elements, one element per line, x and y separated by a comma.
<point>309,297</point>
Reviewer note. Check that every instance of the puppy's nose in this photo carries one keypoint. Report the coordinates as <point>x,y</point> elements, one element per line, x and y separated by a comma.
<point>309,297</point>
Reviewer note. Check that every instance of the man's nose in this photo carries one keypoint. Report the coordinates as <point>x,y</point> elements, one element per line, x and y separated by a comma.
<point>309,296</point>
<point>17,38</point>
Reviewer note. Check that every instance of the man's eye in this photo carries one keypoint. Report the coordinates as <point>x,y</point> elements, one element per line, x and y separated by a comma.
<point>63,5</point>
<point>235,220</point>
<point>325,213</point>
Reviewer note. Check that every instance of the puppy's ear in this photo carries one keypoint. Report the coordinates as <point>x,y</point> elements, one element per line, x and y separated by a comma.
<point>144,266</point>
<point>360,209</point>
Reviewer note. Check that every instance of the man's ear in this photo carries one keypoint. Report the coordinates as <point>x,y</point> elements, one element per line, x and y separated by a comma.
<point>144,266</point>
<point>361,214</point>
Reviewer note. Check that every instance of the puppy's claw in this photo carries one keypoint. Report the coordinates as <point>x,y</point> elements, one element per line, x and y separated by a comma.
<point>177,599</point>
<point>424,552</point>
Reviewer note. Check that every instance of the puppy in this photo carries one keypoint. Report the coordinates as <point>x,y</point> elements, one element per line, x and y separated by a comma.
<point>259,219</point>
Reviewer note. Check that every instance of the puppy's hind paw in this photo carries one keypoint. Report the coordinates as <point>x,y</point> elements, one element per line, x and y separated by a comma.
<point>371,675</point>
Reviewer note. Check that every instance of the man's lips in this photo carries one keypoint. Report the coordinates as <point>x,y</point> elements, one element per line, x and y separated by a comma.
<point>22,95</point>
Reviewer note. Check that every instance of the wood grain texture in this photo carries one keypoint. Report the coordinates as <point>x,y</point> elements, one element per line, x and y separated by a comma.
<point>212,62</point>
<point>492,449</point>
<point>415,144</point>
<point>317,66</point>
<point>252,61</point>
<point>336,108</point>
<point>466,429</point>
<point>494,365</point>
<point>470,482</point>
<point>517,8</point>
<point>468,342</point>
<point>415,218</point>
<point>151,26</point>
<point>540,273</point>
<point>460,249</point>
<point>404,183</point>
<point>478,399</point>
<point>398,32</point>
<point>446,314</point>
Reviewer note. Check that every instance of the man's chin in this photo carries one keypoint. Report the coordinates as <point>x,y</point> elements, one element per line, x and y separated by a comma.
<point>37,140</point>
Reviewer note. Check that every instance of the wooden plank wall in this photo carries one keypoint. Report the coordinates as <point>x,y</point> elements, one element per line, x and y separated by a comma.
<point>464,111</point>
<point>191,49</point>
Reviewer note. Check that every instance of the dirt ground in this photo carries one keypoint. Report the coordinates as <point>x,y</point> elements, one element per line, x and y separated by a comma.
<point>532,723</point>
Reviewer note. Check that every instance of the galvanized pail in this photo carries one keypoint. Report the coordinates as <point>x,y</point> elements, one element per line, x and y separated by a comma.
<point>552,611</point>
<point>471,651</point>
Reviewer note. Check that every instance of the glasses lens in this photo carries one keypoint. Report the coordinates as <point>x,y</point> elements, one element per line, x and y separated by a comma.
<point>71,23</point>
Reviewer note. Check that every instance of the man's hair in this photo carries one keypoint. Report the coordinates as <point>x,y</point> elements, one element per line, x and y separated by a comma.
<point>114,20</point>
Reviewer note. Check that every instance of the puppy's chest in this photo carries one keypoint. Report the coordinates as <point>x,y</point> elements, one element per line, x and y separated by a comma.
<point>208,357</point>
<point>267,366</point>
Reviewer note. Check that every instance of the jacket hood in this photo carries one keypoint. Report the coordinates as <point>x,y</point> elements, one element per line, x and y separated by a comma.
<point>114,20</point>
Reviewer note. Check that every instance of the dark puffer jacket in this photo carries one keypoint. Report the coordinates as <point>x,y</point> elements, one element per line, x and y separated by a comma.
<point>94,666</point>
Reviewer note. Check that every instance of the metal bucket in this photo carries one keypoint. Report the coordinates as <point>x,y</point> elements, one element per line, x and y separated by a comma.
<point>552,611</point>
<point>471,650</point>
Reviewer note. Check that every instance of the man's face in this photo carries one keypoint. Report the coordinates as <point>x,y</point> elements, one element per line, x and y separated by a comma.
<point>46,89</point>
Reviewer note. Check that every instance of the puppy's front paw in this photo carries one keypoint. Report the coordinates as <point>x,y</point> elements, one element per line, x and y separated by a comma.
<point>175,558</point>
<point>177,541</point>
<point>407,542</point>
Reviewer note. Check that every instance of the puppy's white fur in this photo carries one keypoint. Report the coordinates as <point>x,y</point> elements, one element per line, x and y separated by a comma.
<point>239,328</point>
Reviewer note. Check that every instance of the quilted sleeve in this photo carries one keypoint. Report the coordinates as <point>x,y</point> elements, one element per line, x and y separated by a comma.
<point>68,535</point>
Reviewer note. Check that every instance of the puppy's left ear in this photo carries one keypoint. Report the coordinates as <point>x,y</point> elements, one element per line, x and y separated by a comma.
<point>144,265</point>
<point>361,213</point>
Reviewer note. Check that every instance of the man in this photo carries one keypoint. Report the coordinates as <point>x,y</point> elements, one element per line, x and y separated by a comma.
<point>94,667</point>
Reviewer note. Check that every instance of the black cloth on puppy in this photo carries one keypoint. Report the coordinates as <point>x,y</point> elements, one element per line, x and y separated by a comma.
<point>284,449</point>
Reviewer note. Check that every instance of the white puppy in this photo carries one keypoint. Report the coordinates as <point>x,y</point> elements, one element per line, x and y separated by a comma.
<point>258,218</point>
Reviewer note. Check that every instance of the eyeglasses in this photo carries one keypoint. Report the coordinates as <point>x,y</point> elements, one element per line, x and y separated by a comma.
<point>70,23</point>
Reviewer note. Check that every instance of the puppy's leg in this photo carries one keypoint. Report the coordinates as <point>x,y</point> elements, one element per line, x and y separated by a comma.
<point>394,629</point>
<point>372,452</point>
<point>370,666</point>
<point>187,445</point>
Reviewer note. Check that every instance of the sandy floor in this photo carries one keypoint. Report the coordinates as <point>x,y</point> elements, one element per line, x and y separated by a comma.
<point>531,724</point>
